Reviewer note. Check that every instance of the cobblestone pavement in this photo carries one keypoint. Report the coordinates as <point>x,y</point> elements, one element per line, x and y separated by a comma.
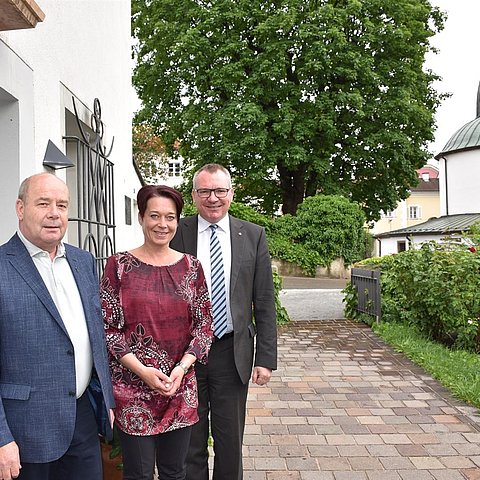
<point>344,406</point>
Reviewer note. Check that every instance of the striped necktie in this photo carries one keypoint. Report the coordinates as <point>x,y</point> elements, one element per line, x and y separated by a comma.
<point>219,297</point>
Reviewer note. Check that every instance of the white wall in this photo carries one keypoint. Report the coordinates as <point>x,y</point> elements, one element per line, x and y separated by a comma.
<point>82,48</point>
<point>16,133</point>
<point>389,245</point>
<point>459,177</point>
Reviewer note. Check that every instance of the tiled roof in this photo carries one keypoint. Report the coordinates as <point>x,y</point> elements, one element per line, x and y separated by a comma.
<point>437,225</point>
<point>464,139</point>
<point>431,186</point>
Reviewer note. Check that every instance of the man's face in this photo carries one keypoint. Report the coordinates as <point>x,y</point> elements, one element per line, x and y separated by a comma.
<point>211,208</point>
<point>43,213</point>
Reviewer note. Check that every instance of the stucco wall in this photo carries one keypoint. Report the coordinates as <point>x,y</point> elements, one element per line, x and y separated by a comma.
<point>82,48</point>
<point>389,246</point>
<point>459,174</point>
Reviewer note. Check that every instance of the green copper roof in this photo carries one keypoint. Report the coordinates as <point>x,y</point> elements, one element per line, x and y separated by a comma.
<point>438,225</point>
<point>466,138</point>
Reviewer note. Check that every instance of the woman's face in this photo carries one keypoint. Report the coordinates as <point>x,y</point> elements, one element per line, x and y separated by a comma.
<point>159,222</point>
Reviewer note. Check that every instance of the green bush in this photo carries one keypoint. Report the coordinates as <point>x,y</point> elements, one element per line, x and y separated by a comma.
<point>282,315</point>
<point>283,245</point>
<point>326,227</point>
<point>434,288</point>
<point>332,226</point>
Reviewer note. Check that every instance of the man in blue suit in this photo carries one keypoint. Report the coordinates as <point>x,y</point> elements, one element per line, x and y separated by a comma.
<point>51,344</point>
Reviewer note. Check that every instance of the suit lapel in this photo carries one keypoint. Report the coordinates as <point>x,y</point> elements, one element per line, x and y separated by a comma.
<point>237,241</point>
<point>189,234</point>
<point>79,270</point>
<point>22,262</point>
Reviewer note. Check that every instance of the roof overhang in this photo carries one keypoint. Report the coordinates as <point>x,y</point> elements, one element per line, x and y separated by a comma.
<point>445,225</point>
<point>19,14</point>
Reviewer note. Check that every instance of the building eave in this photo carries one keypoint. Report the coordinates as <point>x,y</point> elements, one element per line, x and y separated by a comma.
<point>19,14</point>
<point>447,224</point>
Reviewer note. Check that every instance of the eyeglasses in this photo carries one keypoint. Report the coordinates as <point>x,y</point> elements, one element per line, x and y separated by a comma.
<point>206,192</point>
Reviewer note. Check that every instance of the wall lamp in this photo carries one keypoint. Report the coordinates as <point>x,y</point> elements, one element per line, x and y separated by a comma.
<point>55,158</point>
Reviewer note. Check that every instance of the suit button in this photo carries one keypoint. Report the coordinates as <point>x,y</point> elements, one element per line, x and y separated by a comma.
<point>72,394</point>
<point>70,353</point>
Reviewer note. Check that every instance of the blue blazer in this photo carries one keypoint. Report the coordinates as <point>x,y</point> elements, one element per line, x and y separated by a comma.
<point>37,368</point>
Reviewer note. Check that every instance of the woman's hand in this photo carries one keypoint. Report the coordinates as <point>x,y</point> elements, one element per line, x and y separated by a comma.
<point>179,371</point>
<point>156,379</point>
<point>176,376</point>
<point>152,376</point>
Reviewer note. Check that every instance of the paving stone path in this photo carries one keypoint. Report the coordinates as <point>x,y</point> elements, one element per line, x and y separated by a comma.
<point>344,406</point>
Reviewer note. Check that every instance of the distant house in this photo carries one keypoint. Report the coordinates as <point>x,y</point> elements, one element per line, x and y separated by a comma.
<point>66,106</point>
<point>422,203</point>
<point>459,184</point>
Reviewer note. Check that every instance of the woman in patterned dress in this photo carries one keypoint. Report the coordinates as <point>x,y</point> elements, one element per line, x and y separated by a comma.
<point>158,323</point>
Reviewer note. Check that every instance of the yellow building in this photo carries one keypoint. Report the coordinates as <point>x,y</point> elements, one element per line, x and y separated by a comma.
<point>422,204</point>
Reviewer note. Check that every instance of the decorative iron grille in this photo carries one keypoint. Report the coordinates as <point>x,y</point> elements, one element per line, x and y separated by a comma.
<point>92,201</point>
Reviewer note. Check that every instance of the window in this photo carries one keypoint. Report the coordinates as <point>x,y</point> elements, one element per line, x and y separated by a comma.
<point>401,246</point>
<point>128,210</point>
<point>414,212</point>
<point>389,214</point>
<point>174,169</point>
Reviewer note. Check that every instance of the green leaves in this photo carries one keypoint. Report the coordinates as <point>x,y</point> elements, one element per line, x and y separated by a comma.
<point>435,288</point>
<point>326,227</point>
<point>315,97</point>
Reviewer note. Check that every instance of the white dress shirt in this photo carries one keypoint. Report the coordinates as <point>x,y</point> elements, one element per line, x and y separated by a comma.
<point>61,285</point>
<point>203,254</point>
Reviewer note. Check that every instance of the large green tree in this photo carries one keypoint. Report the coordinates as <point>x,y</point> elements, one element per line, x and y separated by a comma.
<point>296,97</point>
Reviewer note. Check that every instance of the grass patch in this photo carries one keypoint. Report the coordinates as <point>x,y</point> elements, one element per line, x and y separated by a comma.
<point>457,370</point>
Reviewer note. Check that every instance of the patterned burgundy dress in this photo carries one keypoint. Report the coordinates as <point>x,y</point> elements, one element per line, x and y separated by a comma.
<point>158,313</point>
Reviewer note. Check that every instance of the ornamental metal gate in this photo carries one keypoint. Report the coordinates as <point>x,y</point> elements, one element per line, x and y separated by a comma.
<point>92,225</point>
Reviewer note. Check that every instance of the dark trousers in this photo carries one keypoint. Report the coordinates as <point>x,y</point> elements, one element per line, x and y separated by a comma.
<point>81,461</point>
<point>168,450</point>
<point>223,397</point>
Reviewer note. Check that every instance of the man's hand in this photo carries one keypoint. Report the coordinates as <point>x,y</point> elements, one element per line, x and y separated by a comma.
<point>9,461</point>
<point>261,375</point>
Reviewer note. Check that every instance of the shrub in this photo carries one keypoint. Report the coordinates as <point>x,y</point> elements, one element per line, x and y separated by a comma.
<point>332,226</point>
<point>435,288</point>
<point>326,227</point>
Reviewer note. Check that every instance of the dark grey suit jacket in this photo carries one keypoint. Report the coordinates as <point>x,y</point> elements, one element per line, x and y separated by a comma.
<point>37,367</point>
<point>251,292</point>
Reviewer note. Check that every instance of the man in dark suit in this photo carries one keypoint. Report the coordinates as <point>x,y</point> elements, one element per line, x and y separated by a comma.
<point>223,383</point>
<point>51,343</point>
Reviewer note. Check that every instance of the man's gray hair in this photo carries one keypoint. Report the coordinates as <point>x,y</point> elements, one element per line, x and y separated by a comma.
<point>211,168</point>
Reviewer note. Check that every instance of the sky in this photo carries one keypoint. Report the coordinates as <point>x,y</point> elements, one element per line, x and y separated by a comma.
<point>459,66</point>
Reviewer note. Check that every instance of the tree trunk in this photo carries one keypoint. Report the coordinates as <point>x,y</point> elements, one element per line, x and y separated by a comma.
<point>292,184</point>
<point>311,184</point>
